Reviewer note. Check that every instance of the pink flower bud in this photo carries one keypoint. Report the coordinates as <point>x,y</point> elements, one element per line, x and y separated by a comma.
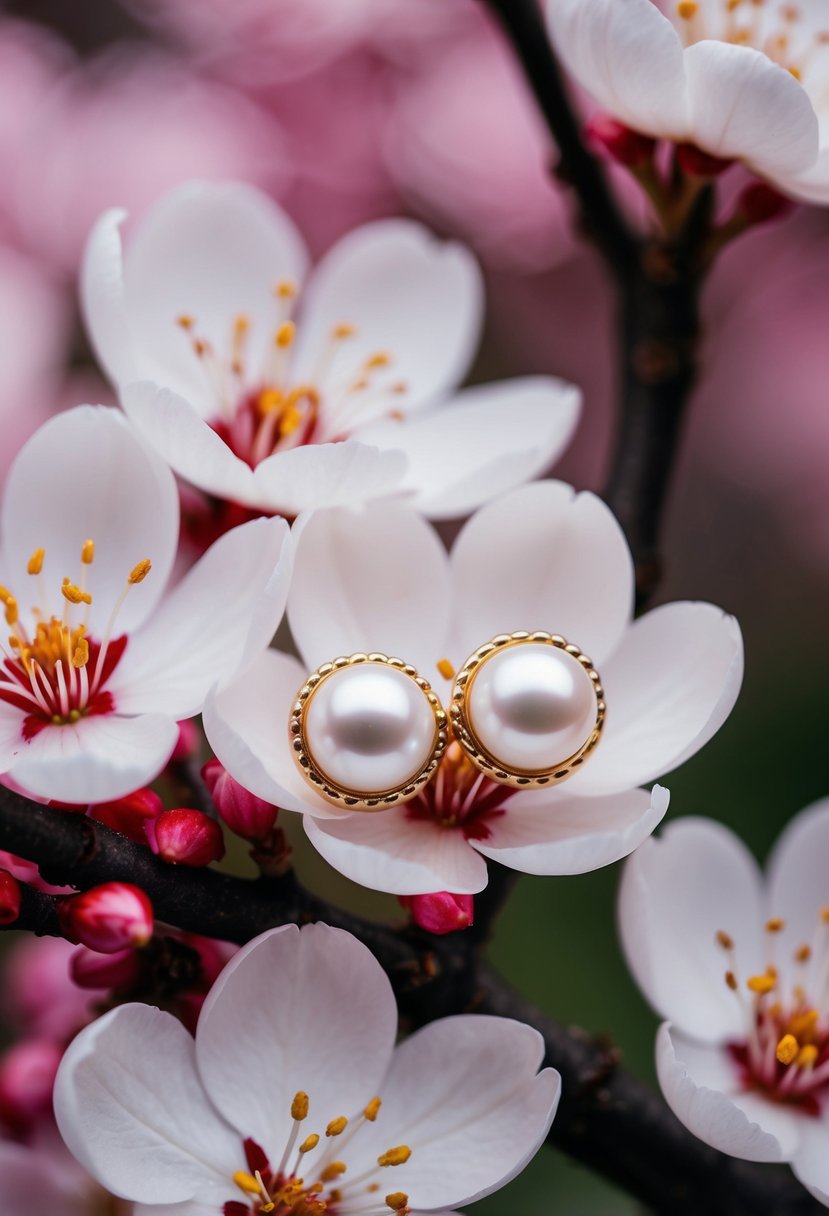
<point>188,741</point>
<point>10,897</point>
<point>625,146</point>
<point>27,1075</point>
<point>442,912</point>
<point>109,918</point>
<point>693,160</point>
<point>244,813</point>
<point>128,815</point>
<point>759,202</point>
<point>91,970</point>
<point>186,837</point>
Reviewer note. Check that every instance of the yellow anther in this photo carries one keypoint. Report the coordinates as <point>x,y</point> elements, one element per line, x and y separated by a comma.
<point>332,1171</point>
<point>290,421</point>
<point>75,595</point>
<point>5,595</point>
<point>35,563</point>
<point>139,572</point>
<point>285,335</point>
<point>343,330</point>
<point>87,552</point>
<point>269,400</point>
<point>286,290</point>
<point>731,5</point>
<point>241,325</point>
<point>771,971</point>
<point>731,980</point>
<point>395,1156</point>
<point>775,925</point>
<point>12,613</point>
<point>802,954</point>
<point>761,984</point>
<point>687,9</point>
<point>309,1142</point>
<point>373,1109</point>
<point>446,669</point>
<point>397,1201</point>
<point>80,655</point>
<point>724,940</point>
<point>793,71</point>
<point>299,1106</point>
<point>787,1049</point>
<point>185,321</point>
<point>247,1183</point>
<point>804,1023</point>
<point>268,1207</point>
<point>807,1056</point>
<point>381,359</point>
<point>337,1126</point>
<point>824,915</point>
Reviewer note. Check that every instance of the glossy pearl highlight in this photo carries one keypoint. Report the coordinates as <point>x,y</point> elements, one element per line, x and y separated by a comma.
<point>369,729</point>
<point>531,706</point>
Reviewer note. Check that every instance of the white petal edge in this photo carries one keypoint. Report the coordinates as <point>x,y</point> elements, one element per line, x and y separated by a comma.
<point>488,440</point>
<point>295,1010</point>
<point>389,851</point>
<point>708,1112</point>
<point>677,892</point>
<point>102,298</point>
<point>561,835</point>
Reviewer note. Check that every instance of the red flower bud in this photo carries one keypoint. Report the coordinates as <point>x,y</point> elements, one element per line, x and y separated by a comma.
<point>128,815</point>
<point>89,969</point>
<point>441,912</point>
<point>188,741</point>
<point>693,160</point>
<point>109,918</point>
<point>186,837</point>
<point>759,202</point>
<point>10,897</point>
<point>625,146</point>
<point>244,813</point>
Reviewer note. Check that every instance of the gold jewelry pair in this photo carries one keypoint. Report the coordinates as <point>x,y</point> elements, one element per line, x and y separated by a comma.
<point>368,732</point>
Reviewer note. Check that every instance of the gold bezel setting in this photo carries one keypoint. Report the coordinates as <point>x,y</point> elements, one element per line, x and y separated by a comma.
<point>355,800</point>
<point>483,759</point>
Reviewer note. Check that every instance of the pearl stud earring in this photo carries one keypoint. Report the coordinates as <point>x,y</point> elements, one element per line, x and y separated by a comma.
<point>528,709</point>
<point>367,731</point>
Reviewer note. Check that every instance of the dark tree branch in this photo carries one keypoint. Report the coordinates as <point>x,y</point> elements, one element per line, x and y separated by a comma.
<point>658,281</point>
<point>607,1119</point>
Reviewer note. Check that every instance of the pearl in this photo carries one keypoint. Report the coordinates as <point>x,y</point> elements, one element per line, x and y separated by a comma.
<point>369,728</point>
<point>531,706</point>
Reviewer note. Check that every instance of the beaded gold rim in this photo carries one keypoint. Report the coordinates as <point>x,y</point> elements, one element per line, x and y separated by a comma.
<point>355,800</point>
<point>478,754</point>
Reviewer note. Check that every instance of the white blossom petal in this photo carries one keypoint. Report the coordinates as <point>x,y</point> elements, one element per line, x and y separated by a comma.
<point>797,888</point>
<point>410,296</point>
<point>810,1161</point>
<point>488,440</point>
<point>97,758</point>
<point>319,1018</point>
<point>86,475</point>
<point>395,852</point>
<point>224,612</point>
<point>370,580</point>
<point>543,557</point>
<point>628,56</point>
<point>669,687</point>
<point>102,298</point>
<point>464,1093</point>
<point>187,443</point>
<point>543,833</point>
<point>677,892</point>
<point>741,104</point>
<point>326,475</point>
<point>114,1106</point>
<point>694,1080</point>
<point>213,252</point>
<point>246,724</point>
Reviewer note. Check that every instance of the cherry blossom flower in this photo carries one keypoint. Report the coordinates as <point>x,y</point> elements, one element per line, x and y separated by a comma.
<point>541,557</point>
<point>97,669</point>
<point>743,80</point>
<point>740,966</point>
<point>293,1096</point>
<point>279,411</point>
